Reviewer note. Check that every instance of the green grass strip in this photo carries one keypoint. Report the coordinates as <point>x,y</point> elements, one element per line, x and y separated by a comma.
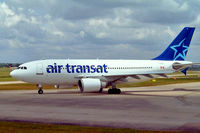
<point>22,127</point>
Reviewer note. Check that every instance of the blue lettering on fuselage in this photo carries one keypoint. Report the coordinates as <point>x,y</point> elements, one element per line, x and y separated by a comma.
<point>77,68</point>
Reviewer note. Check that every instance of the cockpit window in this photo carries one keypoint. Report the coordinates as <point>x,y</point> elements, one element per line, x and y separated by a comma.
<point>22,67</point>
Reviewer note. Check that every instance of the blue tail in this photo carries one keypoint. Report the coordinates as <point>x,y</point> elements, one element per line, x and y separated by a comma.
<point>177,50</point>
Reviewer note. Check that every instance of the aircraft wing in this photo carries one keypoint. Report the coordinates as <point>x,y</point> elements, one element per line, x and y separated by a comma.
<point>124,75</point>
<point>114,77</point>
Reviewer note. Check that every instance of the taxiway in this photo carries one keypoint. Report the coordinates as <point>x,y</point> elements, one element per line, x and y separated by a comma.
<point>167,107</point>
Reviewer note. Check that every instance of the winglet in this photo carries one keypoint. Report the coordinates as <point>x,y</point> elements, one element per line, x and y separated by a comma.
<point>177,50</point>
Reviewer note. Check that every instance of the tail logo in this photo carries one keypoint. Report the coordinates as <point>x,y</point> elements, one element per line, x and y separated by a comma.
<point>180,50</point>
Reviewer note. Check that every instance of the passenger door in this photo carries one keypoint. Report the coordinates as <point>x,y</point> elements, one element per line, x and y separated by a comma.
<point>39,69</point>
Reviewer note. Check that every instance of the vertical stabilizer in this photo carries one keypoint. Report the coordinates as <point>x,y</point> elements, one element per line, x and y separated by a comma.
<point>177,50</point>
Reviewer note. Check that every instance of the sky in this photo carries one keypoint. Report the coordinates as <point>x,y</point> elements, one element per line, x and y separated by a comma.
<point>90,29</point>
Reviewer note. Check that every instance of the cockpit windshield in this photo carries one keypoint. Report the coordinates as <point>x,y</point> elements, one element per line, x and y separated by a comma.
<point>22,67</point>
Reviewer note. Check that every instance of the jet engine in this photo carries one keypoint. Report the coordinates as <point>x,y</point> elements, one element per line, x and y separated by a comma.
<point>90,85</point>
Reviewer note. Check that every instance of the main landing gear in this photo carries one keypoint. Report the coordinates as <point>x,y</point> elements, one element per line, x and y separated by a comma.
<point>114,90</point>
<point>40,91</point>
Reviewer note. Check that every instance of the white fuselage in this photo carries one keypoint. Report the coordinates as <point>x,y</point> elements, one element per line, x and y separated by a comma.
<point>68,72</point>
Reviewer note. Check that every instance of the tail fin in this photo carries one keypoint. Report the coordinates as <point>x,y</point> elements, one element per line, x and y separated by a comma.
<point>177,50</point>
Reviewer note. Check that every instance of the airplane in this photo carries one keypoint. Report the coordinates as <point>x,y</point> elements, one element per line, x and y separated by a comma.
<point>92,75</point>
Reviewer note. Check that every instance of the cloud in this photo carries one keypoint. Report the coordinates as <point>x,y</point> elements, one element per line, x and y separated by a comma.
<point>111,29</point>
<point>8,17</point>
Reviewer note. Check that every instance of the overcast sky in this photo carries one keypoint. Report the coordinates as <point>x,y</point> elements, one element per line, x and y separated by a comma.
<point>104,29</point>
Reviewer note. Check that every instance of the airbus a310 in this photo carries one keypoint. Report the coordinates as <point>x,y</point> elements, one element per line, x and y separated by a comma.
<point>94,75</point>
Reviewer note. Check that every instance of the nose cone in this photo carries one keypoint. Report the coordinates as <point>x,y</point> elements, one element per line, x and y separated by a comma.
<point>21,75</point>
<point>13,74</point>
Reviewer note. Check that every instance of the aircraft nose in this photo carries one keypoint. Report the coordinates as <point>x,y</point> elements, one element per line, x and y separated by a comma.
<point>13,74</point>
<point>16,74</point>
<point>21,75</point>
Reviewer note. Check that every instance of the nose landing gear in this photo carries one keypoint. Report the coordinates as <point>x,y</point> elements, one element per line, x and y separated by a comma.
<point>40,91</point>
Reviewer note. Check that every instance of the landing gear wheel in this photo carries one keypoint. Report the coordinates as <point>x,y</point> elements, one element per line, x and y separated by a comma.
<point>40,91</point>
<point>110,91</point>
<point>118,91</point>
<point>114,91</point>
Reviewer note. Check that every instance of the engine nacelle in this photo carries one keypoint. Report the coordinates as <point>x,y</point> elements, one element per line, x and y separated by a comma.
<point>90,85</point>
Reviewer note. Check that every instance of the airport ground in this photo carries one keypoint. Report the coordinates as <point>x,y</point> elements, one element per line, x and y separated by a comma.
<point>155,107</point>
<point>163,108</point>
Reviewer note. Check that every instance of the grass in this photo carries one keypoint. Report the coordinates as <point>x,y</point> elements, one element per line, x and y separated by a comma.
<point>22,127</point>
<point>160,81</point>
<point>5,74</point>
<point>24,86</point>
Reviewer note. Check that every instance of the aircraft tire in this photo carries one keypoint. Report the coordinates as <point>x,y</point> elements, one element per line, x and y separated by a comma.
<point>114,91</point>
<point>40,91</point>
<point>118,91</point>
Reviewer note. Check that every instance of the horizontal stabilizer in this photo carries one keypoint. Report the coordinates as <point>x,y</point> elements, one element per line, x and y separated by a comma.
<point>183,67</point>
<point>185,71</point>
<point>179,66</point>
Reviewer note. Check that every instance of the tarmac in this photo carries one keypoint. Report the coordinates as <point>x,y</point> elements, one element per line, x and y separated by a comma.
<point>11,82</point>
<point>169,107</point>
